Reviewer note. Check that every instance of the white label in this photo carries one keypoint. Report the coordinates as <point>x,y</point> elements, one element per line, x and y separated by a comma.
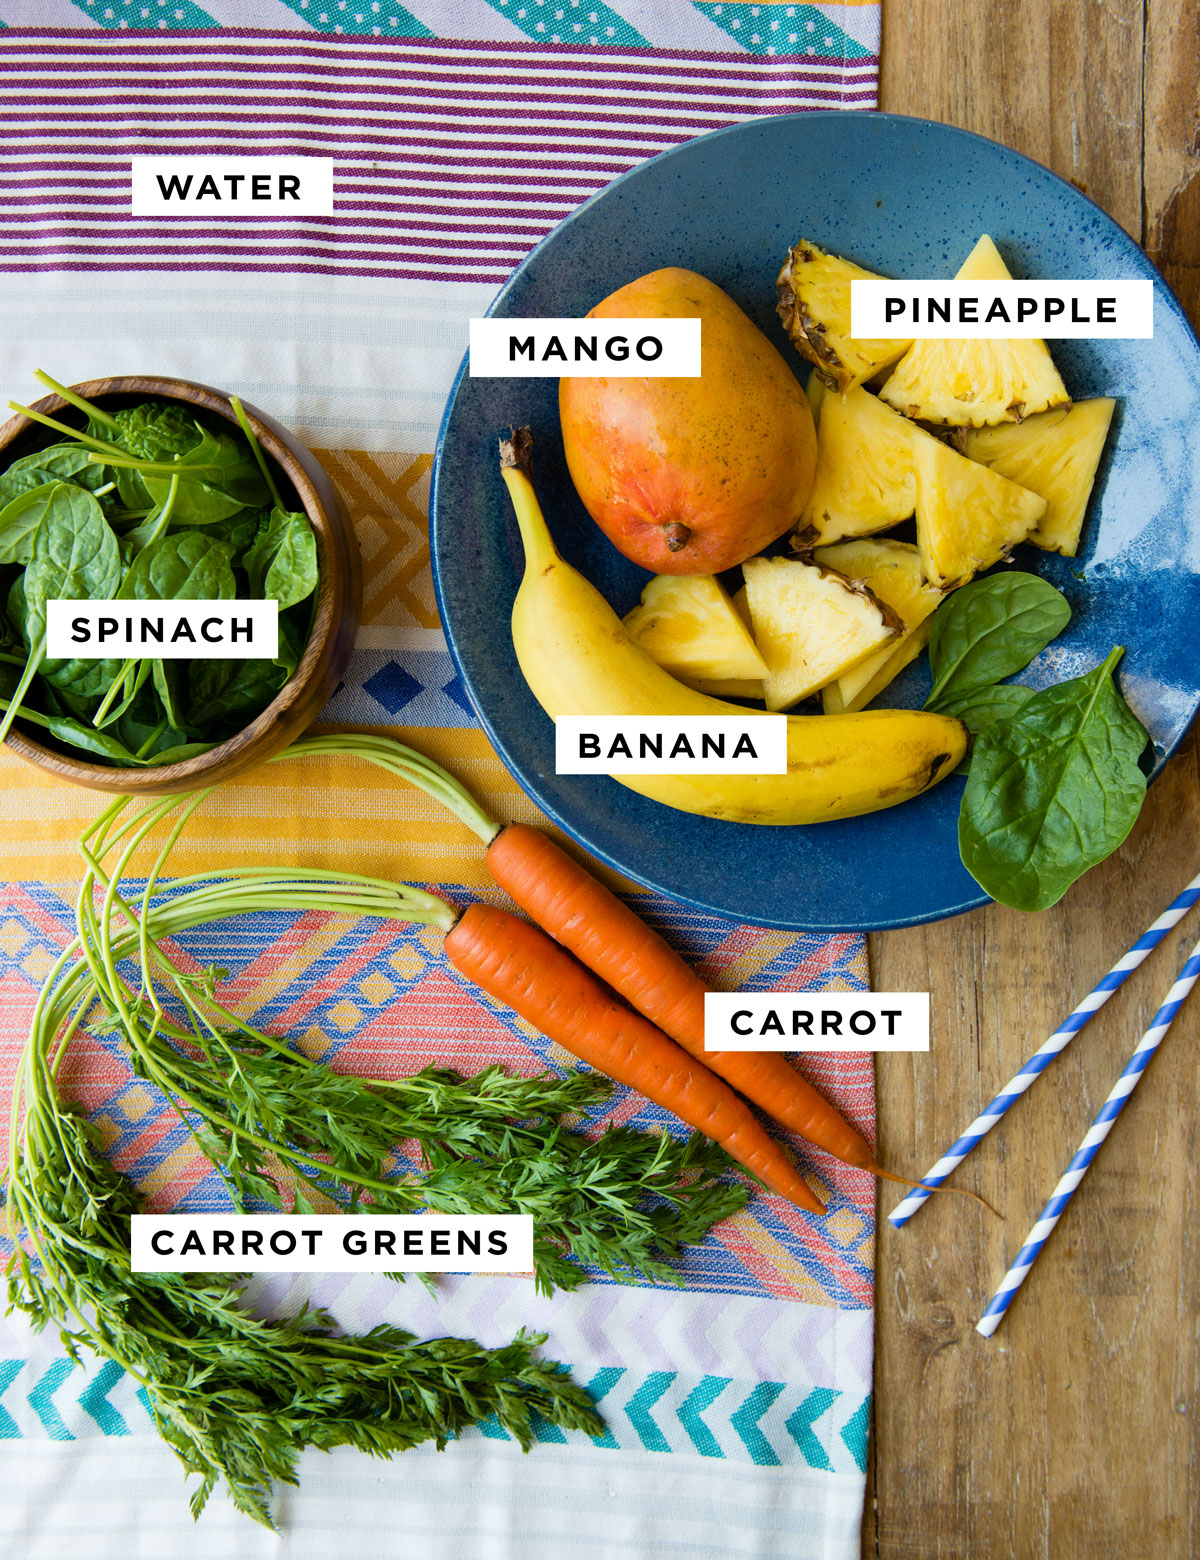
<point>245,186</point>
<point>968,311</point>
<point>567,349</point>
<point>162,630</point>
<point>330,1243</point>
<point>816,1021</point>
<point>661,745</point>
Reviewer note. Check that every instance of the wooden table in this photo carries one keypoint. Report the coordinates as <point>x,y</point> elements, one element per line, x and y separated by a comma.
<point>1074,1431</point>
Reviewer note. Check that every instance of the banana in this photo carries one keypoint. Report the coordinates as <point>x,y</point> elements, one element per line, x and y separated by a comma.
<point>578,660</point>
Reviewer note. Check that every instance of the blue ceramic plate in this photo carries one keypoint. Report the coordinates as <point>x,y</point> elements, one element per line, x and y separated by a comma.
<point>907,198</point>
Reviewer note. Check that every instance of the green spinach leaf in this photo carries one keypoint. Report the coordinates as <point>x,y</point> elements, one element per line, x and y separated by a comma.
<point>979,708</point>
<point>990,630</point>
<point>75,557</point>
<point>218,477</point>
<point>220,690</point>
<point>61,463</point>
<point>180,566</point>
<point>74,733</point>
<point>21,519</point>
<point>157,430</point>
<point>282,564</point>
<point>1053,790</point>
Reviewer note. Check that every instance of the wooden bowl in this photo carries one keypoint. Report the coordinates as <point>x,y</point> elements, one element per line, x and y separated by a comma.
<point>339,601</point>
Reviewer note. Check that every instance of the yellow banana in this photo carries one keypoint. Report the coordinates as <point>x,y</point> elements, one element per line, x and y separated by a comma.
<point>578,660</point>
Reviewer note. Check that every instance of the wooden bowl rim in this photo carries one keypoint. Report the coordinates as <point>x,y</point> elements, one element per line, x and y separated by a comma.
<point>167,778</point>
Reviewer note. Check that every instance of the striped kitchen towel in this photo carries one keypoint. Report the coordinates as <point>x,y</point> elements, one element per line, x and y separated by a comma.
<point>737,1406</point>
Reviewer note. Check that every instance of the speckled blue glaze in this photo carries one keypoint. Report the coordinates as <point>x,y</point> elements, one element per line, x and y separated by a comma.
<point>908,198</point>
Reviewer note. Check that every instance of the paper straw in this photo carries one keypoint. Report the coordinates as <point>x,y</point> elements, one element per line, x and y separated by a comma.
<point>1088,1149</point>
<point>1041,1059</point>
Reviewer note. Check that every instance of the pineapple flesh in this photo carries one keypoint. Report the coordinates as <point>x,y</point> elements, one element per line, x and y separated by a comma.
<point>966,383</point>
<point>688,625</point>
<point>865,479</point>
<point>968,516</point>
<point>1055,455</point>
<point>892,571</point>
<point>811,626</point>
<point>910,647</point>
<point>813,301</point>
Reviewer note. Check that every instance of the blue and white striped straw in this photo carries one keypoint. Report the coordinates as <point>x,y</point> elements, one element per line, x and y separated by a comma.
<point>1088,1149</point>
<point>1040,1060</point>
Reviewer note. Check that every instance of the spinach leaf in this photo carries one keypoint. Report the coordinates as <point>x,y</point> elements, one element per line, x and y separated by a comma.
<point>157,430</point>
<point>218,477</point>
<point>80,679</point>
<point>15,484</point>
<point>182,750</point>
<point>180,566</point>
<point>20,521</point>
<point>75,556</point>
<point>979,708</point>
<point>989,630</point>
<point>282,564</point>
<point>1053,790</point>
<point>240,530</point>
<point>220,690</point>
<point>73,732</point>
<point>132,491</point>
<point>61,463</point>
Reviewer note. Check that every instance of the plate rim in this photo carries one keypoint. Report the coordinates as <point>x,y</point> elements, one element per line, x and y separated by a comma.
<point>1162,292</point>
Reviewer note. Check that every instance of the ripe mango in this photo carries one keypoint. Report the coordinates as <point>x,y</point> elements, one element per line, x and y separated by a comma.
<point>691,476</point>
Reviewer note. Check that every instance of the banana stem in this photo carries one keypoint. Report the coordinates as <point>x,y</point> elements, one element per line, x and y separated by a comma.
<point>540,551</point>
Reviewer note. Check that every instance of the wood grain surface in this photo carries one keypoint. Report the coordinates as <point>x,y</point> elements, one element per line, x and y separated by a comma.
<point>1073,1432</point>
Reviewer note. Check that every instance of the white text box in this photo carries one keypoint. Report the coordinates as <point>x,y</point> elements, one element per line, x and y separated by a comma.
<point>562,349</point>
<point>816,1021</point>
<point>162,630</point>
<point>232,186</point>
<point>968,311</point>
<point>658,745</point>
<point>330,1243</point>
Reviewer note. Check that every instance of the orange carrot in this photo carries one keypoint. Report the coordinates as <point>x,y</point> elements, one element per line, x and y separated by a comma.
<point>608,937</point>
<point>522,967</point>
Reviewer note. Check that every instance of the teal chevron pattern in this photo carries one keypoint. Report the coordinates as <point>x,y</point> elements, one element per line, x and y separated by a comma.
<point>94,1400</point>
<point>700,1398</point>
<point>800,1426</point>
<point>745,1422</point>
<point>766,1423</point>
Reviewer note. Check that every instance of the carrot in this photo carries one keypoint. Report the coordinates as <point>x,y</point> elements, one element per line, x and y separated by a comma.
<point>607,936</point>
<point>520,966</point>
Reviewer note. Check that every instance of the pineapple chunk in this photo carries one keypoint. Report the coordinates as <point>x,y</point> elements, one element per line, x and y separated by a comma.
<point>811,626</point>
<point>687,624</point>
<point>892,571</point>
<point>1055,455</point>
<point>731,687</point>
<point>968,516</point>
<point>835,703</point>
<point>815,391</point>
<point>865,480</point>
<point>976,383</point>
<point>813,300</point>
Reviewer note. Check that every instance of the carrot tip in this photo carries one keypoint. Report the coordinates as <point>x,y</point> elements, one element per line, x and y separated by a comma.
<point>903,1180</point>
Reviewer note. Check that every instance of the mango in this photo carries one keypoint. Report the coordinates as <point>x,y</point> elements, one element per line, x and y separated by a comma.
<point>691,476</point>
